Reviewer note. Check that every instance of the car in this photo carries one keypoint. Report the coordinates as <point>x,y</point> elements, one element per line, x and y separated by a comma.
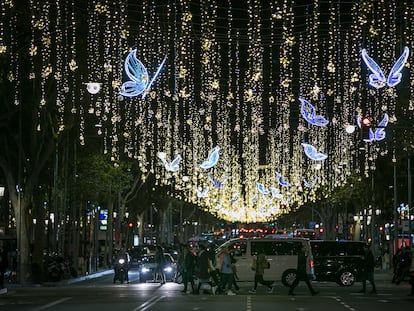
<point>281,252</point>
<point>147,265</point>
<point>338,261</point>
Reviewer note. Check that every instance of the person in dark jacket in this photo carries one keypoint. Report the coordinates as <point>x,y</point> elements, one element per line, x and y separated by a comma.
<point>3,265</point>
<point>368,274</point>
<point>301,273</point>
<point>189,264</point>
<point>204,268</point>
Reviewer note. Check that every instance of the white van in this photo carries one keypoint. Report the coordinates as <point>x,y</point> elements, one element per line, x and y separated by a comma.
<point>282,254</point>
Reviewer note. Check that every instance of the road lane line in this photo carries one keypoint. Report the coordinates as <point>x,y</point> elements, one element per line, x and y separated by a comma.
<point>148,303</point>
<point>51,304</point>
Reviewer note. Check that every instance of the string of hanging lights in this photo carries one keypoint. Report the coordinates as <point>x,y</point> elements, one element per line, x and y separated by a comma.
<point>249,109</point>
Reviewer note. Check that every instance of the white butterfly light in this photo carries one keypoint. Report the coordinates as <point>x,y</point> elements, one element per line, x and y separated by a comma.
<point>213,158</point>
<point>137,73</point>
<point>377,79</point>
<point>379,133</point>
<point>309,114</point>
<point>276,193</point>
<point>202,193</point>
<point>172,166</point>
<point>310,184</point>
<point>312,153</point>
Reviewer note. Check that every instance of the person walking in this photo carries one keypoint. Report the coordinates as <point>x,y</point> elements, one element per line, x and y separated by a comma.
<point>301,274</point>
<point>188,269</point>
<point>204,266</point>
<point>3,265</point>
<point>260,263</point>
<point>368,273</point>
<point>226,271</point>
<point>160,260</point>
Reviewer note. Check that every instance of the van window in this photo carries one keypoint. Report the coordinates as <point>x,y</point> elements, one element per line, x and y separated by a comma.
<point>274,248</point>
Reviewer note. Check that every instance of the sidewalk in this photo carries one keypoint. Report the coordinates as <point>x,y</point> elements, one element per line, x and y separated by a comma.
<point>59,283</point>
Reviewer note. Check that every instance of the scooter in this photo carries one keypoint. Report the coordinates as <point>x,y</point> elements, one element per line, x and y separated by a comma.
<point>121,271</point>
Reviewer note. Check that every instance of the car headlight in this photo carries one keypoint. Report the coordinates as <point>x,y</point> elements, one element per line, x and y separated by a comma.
<point>145,270</point>
<point>121,261</point>
<point>168,269</point>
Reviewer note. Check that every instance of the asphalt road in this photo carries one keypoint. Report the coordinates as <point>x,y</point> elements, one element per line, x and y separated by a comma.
<point>99,293</point>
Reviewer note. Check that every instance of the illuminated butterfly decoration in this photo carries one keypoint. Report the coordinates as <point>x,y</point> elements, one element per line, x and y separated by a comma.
<point>137,73</point>
<point>235,198</point>
<point>276,193</point>
<point>282,180</point>
<point>377,79</point>
<point>202,193</point>
<point>379,133</point>
<point>309,113</point>
<point>312,153</point>
<point>262,189</point>
<point>216,184</point>
<point>310,184</point>
<point>172,166</point>
<point>212,160</point>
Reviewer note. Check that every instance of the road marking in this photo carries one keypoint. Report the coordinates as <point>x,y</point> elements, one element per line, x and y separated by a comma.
<point>148,304</point>
<point>249,303</point>
<point>51,304</point>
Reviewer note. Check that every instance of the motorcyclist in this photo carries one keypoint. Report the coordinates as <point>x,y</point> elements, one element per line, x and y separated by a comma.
<point>121,261</point>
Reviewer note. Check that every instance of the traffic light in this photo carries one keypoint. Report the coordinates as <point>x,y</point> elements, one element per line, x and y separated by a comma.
<point>366,129</point>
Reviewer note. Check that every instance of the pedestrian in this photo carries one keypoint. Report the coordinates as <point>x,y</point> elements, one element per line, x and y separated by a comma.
<point>160,261</point>
<point>226,271</point>
<point>234,268</point>
<point>188,269</point>
<point>259,264</point>
<point>411,272</point>
<point>301,274</point>
<point>3,264</point>
<point>386,260</point>
<point>368,270</point>
<point>204,267</point>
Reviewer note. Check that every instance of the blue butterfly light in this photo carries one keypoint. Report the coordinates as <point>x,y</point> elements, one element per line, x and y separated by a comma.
<point>137,73</point>
<point>312,153</point>
<point>235,198</point>
<point>377,79</point>
<point>309,114</point>
<point>212,160</point>
<point>282,180</point>
<point>216,184</point>
<point>172,166</point>
<point>262,189</point>
<point>379,133</point>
